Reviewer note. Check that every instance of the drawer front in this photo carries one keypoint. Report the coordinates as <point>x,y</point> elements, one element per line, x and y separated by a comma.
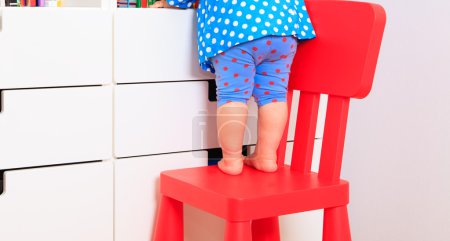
<point>167,117</point>
<point>137,196</point>
<point>69,203</point>
<point>156,45</point>
<point>54,126</point>
<point>43,47</point>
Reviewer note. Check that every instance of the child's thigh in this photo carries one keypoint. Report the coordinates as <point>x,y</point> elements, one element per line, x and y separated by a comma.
<point>235,72</point>
<point>271,80</point>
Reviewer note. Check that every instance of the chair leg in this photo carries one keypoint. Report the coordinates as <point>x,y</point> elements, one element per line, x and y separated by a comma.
<point>336,226</point>
<point>238,231</point>
<point>169,222</point>
<point>266,229</point>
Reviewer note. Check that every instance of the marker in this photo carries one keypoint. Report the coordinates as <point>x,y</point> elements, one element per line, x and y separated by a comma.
<point>53,3</point>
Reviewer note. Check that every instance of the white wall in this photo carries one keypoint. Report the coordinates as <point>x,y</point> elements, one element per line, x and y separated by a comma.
<point>397,155</point>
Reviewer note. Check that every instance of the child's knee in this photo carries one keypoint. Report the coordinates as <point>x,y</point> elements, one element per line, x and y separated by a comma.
<point>269,96</point>
<point>227,95</point>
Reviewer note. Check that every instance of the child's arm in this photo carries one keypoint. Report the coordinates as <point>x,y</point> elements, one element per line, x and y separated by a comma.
<point>174,3</point>
<point>181,3</point>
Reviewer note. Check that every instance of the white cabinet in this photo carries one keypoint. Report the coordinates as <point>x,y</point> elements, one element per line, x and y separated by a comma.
<point>70,203</point>
<point>54,126</point>
<point>137,196</point>
<point>43,47</point>
<point>167,117</point>
<point>156,45</point>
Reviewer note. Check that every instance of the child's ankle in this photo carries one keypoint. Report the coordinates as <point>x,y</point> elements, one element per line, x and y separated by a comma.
<point>231,166</point>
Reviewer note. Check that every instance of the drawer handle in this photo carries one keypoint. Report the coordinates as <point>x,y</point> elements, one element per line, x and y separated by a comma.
<point>1,101</point>
<point>1,16</point>
<point>215,154</point>
<point>212,90</point>
<point>1,182</point>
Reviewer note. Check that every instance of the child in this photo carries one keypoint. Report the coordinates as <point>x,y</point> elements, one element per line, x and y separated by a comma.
<point>249,45</point>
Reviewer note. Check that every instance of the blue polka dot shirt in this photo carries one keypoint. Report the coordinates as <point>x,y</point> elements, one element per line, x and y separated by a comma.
<point>223,24</point>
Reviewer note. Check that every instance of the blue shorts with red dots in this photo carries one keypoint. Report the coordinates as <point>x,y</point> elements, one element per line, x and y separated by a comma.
<point>259,68</point>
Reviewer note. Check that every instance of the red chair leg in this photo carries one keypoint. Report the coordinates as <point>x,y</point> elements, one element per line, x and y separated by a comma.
<point>169,222</point>
<point>266,229</point>
<point>238,231</point>
<point>336,226</point>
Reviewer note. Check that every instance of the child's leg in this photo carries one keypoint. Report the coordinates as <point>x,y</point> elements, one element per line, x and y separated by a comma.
<point>272,119</point>
<point>234,79</point>
<point>271,82</point>
<point>231,125</point>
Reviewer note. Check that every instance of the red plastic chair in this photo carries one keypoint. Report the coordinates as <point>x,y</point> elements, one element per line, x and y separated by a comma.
<point>340,62</point>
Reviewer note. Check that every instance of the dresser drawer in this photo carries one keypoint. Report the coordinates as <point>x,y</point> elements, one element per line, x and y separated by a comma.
<point>137,193</point>
<point>54,126</point>
<point>156,45</point>
<point>43,47</point>
<point>167,117</point>
<point>70,203</point>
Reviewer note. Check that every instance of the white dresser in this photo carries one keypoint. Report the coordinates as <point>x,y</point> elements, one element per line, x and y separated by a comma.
<point>95,103</point>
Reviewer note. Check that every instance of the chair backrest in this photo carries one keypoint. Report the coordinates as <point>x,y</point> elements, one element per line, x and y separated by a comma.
<point>340,62</point>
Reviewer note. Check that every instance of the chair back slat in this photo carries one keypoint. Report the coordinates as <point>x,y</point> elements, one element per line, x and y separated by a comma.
<point>281,151</point>
<point>304,138</point>
<point>334,137</point>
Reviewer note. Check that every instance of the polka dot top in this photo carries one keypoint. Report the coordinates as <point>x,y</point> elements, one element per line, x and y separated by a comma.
<point>223,24</point>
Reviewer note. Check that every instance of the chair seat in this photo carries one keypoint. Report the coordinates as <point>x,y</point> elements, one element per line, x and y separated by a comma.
<point>253,194</point>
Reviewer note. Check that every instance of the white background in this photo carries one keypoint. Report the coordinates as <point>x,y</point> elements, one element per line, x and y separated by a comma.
<point>397,154</point>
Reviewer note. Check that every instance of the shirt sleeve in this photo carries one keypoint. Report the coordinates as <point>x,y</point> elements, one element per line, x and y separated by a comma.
<point>181,3</point>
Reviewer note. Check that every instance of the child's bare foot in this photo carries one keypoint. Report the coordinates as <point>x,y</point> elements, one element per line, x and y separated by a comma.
<point>260,163</point>
<point>231,166</point>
